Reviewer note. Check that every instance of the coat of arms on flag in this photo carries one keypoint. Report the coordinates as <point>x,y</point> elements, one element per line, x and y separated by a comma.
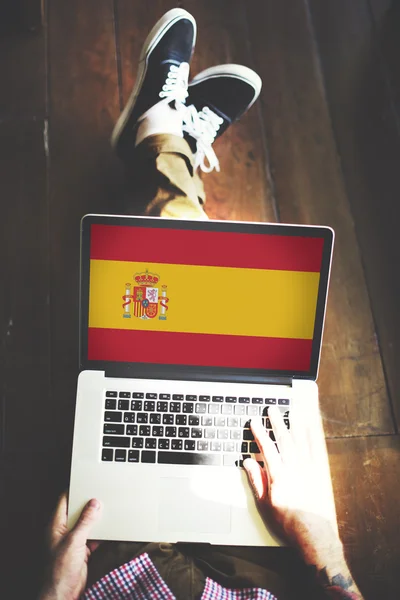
<point>147,299</point>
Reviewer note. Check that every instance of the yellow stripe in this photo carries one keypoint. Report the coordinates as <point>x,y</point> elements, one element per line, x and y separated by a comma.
<point>217,300</point>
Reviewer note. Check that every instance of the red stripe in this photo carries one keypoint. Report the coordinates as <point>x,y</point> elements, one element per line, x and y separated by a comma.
<point>277,354</point>
<point>208,248</point>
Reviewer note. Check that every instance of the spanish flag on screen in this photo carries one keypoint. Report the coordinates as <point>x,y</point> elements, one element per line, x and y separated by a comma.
<point>205,298</point>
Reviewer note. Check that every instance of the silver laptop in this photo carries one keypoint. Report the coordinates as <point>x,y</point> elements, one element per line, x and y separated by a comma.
<point>188,329</point>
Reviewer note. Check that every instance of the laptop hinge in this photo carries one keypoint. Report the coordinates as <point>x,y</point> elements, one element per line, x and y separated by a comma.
<point>132,372</point>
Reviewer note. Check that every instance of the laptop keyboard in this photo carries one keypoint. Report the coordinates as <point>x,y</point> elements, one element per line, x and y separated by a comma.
<point>145,427</point>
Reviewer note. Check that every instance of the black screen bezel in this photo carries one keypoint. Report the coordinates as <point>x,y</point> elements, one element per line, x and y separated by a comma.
<point>168,371</point>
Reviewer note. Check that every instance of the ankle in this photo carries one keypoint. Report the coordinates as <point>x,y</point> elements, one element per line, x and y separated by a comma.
<point>160,118</point>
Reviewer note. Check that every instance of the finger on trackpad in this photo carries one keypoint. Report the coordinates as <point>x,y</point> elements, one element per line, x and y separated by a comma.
<point>180,510</point>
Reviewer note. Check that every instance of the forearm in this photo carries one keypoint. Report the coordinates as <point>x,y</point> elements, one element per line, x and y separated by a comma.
<point>52,593</point>
<point>331,571</point>
<point>49,592</point>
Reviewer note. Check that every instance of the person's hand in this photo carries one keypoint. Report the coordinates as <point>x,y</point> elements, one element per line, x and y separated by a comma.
<point>70,552</point>
<point>294,492</point>
<point>294,489</point>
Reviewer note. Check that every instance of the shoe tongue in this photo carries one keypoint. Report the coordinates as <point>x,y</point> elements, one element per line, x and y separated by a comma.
<point>171,61</point>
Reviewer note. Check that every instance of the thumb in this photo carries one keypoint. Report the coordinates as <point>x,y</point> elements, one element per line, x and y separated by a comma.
<point>257,478</point>
<point>58,525</point>
<point>90,514</point>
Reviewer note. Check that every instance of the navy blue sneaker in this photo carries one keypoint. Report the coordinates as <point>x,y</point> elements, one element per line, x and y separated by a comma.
<point>162,76</point>
<point>218,97</point>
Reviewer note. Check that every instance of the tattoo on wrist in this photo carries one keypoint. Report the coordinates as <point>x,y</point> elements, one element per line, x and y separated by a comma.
<point>337,587</point>
<point>337,580</point>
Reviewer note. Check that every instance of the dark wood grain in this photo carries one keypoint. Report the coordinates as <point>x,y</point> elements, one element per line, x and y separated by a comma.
<point>240,191</point>
<point>386,16</point>
<point>21,15</point>
<point>25,327</point>
<point>365,123</point>
<point>30,13</point>
<point>31,484</point>
<point>366,481</point>
<point>310,189</point>
<point>381,10</point>
<point>22,67</point>
<point>83,172</point>
<point>333,155</point>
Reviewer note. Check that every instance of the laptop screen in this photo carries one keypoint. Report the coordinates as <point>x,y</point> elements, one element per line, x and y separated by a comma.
<point>199,296</point>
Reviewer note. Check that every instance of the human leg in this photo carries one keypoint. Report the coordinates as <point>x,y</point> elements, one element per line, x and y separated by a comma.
<point>178,569</point>
<point>168,145</point>
<point>148,135</point>
<point>172,147</point>
<point>238,567</point>
<point>162,181</point>
<point>164,168</point>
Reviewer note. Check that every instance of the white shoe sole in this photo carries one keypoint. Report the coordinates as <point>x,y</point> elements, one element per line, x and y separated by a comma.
<point>236,72</point>
<point>159,29</point>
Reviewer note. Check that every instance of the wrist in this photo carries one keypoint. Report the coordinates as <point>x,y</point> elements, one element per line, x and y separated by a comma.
<point>330,570</point>
<point>316,540</point>
<point>323,552</point>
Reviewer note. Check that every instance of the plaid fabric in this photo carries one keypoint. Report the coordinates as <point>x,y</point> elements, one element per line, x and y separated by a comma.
<point>139,580</point>
<point>214,591</point>
<point>135,580</point>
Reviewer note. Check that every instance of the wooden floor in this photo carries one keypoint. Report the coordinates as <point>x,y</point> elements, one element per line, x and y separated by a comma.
<point>322,146</point>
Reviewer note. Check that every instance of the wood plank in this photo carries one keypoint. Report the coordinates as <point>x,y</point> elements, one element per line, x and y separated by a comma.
<point>31,484</point>
<point>310,189</point>
<point>368,140</point>
<point>22,65</point>
<point>381,8</point>
<point>366,482</point>
<point>84,175</point>
<point>240,191</point>
<point>32,14</point>
<point>21,15</point>
<point>25,287</point>
<point>386,15</point>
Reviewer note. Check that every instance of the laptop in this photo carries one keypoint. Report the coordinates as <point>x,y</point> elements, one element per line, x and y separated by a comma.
<point>188,329</point>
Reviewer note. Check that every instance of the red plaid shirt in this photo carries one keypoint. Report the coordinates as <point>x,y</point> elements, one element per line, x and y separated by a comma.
<point>139,580</point>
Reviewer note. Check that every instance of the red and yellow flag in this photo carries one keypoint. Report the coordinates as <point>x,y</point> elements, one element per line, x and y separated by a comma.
<point>202,298</point>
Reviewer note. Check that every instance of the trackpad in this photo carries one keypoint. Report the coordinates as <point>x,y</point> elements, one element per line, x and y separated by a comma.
<point>181,510</point>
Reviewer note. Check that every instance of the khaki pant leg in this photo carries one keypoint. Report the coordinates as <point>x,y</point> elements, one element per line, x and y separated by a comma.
<point>162,180</point>
<point>278,570</point>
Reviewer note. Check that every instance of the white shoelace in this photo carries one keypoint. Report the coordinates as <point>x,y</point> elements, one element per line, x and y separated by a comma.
<point>176,84</point>
<point>203,126</point>
<point>175,88</point>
